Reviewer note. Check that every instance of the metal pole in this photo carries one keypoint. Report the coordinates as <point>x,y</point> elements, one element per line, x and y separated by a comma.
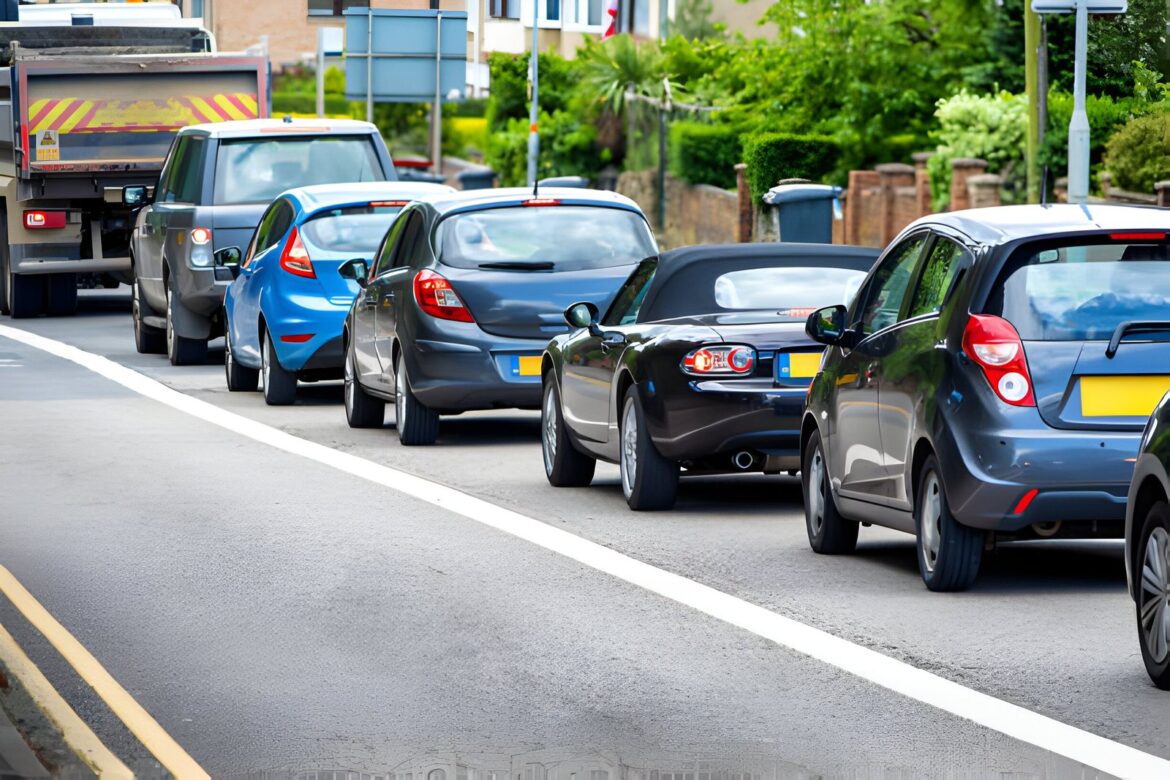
<point>478,20</point>
<point>1078,127</point>
<point>437,113</point>
<point>534,114</point>
<point>1031,69</point>
<point>321,72</point>
<point>369,64</point>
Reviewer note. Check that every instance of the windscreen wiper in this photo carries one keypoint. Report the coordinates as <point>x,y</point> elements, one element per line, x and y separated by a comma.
<point>520,265</point>
<point>1133,326</point>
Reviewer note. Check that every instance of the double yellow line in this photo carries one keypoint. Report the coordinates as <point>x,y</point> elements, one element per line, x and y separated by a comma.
<point>77,734</point>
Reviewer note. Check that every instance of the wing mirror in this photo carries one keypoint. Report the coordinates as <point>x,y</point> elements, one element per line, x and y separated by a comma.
<point>583,315</point>
<point>827,326</point>
<point>229,258</point>
<point>135,196</point>
<point>356,269</point>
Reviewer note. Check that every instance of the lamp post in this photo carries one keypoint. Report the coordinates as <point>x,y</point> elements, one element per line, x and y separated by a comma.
<point>534,115</point>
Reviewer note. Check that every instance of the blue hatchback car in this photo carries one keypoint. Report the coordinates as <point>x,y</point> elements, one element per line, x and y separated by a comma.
<point>285,310</point>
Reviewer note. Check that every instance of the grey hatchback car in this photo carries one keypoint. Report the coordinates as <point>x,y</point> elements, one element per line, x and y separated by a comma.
<point>217,181</point>
<point>990,380</point>
<point>465,293</point>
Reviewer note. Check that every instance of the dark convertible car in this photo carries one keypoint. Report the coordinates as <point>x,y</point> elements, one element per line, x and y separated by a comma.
<point>701,363</point>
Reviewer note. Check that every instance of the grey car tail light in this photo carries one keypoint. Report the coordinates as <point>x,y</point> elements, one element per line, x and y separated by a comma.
<point>995,346</point>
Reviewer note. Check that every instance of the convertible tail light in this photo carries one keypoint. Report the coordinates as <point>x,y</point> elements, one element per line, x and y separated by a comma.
<point>295,258</point>
<point>720,360</point>
<point>438,298</point>
<point>995,346</point>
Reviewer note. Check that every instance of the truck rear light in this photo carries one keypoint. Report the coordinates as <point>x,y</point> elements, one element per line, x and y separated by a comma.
<point>295,258</point>
<point>438,298</point>
<point>995,346</point>
<point>44,220</point>
<point>721,359</point>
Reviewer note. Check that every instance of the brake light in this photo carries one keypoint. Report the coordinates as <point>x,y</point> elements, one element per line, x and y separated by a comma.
<point>200,236</point>
<point>295,258</point>
<point>541,202</point>
<point>388,204</point>
<point>438,298</point>
<point>44,220</point>
<point>995,346</point>
<point>730,360</point>
<point>1138,236</point>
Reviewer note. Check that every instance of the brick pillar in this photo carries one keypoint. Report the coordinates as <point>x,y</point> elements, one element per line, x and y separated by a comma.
<point>922,182</point>
<point>744,228</point>
<point>961,170</point>
<point>859,182</point>
<point>985,190</point>
<point>892,176</point>
<point>1163,190</point>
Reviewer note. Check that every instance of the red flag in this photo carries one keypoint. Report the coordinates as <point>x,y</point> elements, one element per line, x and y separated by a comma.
<point>609,19</point>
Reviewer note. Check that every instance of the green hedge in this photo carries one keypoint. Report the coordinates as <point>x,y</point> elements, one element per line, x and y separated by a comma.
<point>302,103</point>
<point>705,154</point>
<point>1106,116</point>
<point>1138,155</point>
<point>771,157</point>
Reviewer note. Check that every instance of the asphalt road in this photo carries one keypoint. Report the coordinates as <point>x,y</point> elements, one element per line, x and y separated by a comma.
<point>273,612</point>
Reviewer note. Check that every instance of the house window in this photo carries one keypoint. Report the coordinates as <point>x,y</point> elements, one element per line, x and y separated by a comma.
<point>583,13</point>
<point>334,7</point>
<point>504,9</point>
<point>635,17</point>
<point>196,8</point>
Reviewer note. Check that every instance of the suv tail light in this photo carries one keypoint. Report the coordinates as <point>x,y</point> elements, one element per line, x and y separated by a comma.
<point>438,298</point>
<point>716,360</point>
<point>995,346</point>
<point>295,258</point>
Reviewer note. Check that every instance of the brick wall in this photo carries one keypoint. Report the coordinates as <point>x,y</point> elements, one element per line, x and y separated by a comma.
<point>694,214</point>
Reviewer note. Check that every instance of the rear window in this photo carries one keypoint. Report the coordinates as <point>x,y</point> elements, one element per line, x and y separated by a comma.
<point>256,170</point>
<point>353,231</point>
<point>1084,290</point>
<point>791,292</point>
<point>555,238</point>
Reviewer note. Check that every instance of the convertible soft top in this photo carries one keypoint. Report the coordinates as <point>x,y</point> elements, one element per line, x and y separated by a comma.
<point>684,281</point>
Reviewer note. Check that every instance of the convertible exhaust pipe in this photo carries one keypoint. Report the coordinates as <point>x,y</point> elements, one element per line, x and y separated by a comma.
<point>743,460</point>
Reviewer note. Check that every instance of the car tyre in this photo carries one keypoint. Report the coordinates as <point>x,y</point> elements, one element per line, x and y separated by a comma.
<point>182,351</point>
<point>147,340</point>
<point>829,532</point>
<point>280,385</point>
<point>362,410</point>
<point>564,464</point>
<point>25,294</point>
<point>240,378</point>
<point>61,295</point>
<point>417,424</point>
<point>649,481</point>
<point>1152,594</point>
<point>949,553</point>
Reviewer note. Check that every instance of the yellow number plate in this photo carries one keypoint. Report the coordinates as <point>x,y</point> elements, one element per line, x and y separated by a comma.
<point>1122,396</point>
<point>530,365</point>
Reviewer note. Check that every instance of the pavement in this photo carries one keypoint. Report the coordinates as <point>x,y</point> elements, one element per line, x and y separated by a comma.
<point>274,613</point>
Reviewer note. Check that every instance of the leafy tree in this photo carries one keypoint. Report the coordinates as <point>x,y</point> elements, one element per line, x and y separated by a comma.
<point>692,20</point>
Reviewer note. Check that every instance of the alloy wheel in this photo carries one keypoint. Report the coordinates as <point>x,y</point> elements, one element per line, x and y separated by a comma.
<point>266,361</point>
<point>930,532</point>
<point>1154,597</point>
<point>349,388</point>
<point>399,396</point>
<point>549,431</point>
<point>629,456</point>
<point>816,492</point>
<point>170,325</point>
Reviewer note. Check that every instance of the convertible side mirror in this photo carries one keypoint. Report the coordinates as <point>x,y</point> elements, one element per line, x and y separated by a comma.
<point>583,315</point>
<point>229,257</point>
<point>827,326</point>
<point>135,196</point>
<point>356,269</point>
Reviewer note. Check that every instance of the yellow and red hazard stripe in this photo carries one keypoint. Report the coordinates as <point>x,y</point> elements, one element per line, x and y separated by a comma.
<point>78,115</point>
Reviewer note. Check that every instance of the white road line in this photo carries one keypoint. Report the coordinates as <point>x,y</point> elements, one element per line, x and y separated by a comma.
<point>922,686</point>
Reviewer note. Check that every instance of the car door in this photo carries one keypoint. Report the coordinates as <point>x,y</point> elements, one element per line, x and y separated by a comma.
<point>387,292</point>
<point>856,455</point>
<point>261,261</point>
<point>916,362</point>
<point>151,228</point>
<point>590,361</point>
<point>369,368</point>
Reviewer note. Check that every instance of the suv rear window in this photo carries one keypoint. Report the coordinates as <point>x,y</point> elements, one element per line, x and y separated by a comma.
<point>1082,290</point>
<point>552,238</point>
<point>355,231</point>
<point>256,170</point>
<point>792,292</point>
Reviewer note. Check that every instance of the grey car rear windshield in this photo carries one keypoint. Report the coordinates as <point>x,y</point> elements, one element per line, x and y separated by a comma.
<point>1084,290</point>
<point>256,170</point>
<point>355,231</point>
<point>551,238</point>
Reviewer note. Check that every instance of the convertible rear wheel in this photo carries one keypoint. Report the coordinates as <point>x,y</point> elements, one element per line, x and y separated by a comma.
<point>1153,594</point>
<point>564,464</point>
<point>828,532</point>
<point>948,552</point>
<point>362,410</point>
<point>649,481</point>
<point>416,424</point>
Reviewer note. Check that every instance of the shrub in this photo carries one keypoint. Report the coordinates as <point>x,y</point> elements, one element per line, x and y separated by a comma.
<point>771,157</point>
<point>1106,116</point>
<point>306,103</point>
<point>509,79</point>
<point>990,127</point>
<point>568,147</point>
<point>1138,155</point>
<point>705,154</point>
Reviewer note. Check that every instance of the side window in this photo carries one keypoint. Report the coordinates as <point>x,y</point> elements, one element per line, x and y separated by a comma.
<point>938,274</point>
<point>879,305</point>
<point>188,177</point>
<point>273,225</point>
<point>167,182</point>
<point>389,245</point>
<point>628,302</point>
<point>408,246</point>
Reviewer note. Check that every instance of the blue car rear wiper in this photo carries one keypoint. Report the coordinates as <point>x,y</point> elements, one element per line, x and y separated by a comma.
<point>519,265</point>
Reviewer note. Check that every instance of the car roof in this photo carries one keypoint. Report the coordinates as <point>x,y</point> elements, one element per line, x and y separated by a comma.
<point>319,196</point>
<point>1003,224</point>
<point>471,200</point>
<point>245,128</point>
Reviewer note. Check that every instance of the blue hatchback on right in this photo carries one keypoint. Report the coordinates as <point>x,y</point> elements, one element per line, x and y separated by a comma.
<point>991,378</point>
